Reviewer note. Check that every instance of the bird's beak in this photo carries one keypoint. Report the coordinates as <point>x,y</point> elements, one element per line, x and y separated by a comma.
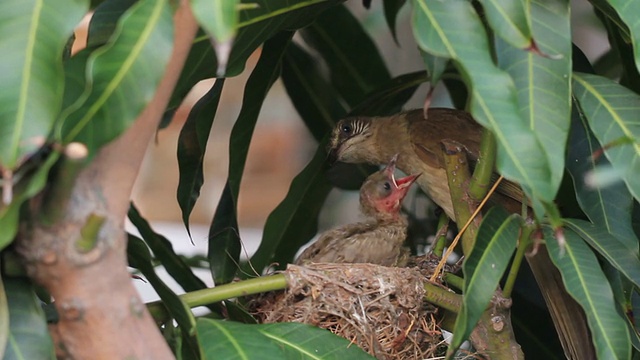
<point>391,166</point>
<point>405,182</point>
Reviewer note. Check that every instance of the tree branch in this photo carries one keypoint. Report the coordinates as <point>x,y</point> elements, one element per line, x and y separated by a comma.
<point>101,314</point>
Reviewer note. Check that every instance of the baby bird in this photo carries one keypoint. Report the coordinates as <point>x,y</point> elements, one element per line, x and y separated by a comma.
<point>377,241</point>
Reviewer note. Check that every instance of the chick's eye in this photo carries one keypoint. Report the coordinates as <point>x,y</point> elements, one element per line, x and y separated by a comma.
<point>387,186</point>
<point>346,128</point>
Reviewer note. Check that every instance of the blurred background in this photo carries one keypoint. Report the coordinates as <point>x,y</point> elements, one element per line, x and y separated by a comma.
<point>280,148</point>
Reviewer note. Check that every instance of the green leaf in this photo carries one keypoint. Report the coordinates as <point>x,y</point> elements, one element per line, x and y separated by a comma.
<point>218,17</point>
<point>628,10</point>
<point>543,84</point>
<point>122,76</point>
<point>510,20</point>
<point>192,146</point>
<point>391,10</point>
<point>313,97</point>
<point>445,29</point>
<point>35,33</point>
<point>23,191</point>
<point>105,20</point>
<point>355,65</point>
<point>586,283</point>
<point>389,98</point>
<point>609,207</point>
<point>163,251</point>
<point>224,240</point>
<point>140,258</point>
<point>612,249</point>
<point>4,318</point>
<point>612,113</point>
<point>256,25</point>
<point>435,66</point>
<point>492,251</point>
<point>28,333</point>
<point>295,220</point>
<point>232,340</point>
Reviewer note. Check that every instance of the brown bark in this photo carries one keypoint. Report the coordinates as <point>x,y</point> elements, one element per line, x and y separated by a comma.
<point>101,314</point>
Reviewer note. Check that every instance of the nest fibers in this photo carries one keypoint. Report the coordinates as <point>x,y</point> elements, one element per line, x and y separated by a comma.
<point>381,309</point>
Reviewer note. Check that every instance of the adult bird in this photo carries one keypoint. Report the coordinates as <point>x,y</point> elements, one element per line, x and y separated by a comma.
<point>378,240</point>
<point>417,139</point>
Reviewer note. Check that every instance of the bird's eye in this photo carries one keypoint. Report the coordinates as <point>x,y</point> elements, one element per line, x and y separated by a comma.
<point>346,128</point>
<point>387,186</point>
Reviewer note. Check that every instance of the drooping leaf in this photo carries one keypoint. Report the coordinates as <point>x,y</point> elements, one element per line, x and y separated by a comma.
<point>391,10</point>
<point>140,258</point>
<point>123,76</point>
<point>494,246</point>
<point>621,56</point>
<point>612,249</point>
<point>446,29</point>
<point>255,26</point>
<point>220,19</point>
<point>23,191</point>
<point>311,94</point>
<point>224,239</point>
<point>609,207</point>
<point>34,35</point>
<point>295,220</point>
<point>389,98</point>
<point>105,20</point>
<point>4,317</point>
<point>192,146</point>
<point>355,65</point>
<point>163,251</point>
<point>542,83</point>
<point>232,340</point>
<point>28,334</point>
<point>435,66</point>
<point>586,283</point>
<point>510,20</point>
<point>628,10</point>
<point>612,113</point>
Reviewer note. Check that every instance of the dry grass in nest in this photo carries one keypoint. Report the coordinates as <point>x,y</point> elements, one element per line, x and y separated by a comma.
<point>380,309</point>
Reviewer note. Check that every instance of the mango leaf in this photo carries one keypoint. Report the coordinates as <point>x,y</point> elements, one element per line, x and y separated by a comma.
<point>4,318</point>
<point>612,249</point>
<point>224,239</point>
<point>23,191</point>
<point>612,113</point>
<point>609,207</point>
<point>28,333</point>
<point>163,251</point>
<point>312,95</point>
<point>542,83</point>
<point>495,244</point>
<point>391,10</point>
<point>122,76</point>
<point>622,56</point>
<point>389,98</point>
<point>220,19</point>
<point>510,20</point>
<point>435,66</point>
<point>34,36</point>
<point>628,11</point>
<point>355,65</point>
<point>295,220</point>
<point>105,20</point>
<point>452,29</point>
<point>232,340</point>
<point>256,25</point>
<point>192,145</point>
<point>586,283</point>
<point>140,258</point>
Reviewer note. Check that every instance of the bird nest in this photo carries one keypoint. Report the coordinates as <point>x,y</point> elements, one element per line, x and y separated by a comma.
<point>380,309</point>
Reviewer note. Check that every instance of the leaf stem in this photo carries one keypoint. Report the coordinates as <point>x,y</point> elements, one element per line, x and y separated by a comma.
<point>481,179</point>
<point>524,241</point>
